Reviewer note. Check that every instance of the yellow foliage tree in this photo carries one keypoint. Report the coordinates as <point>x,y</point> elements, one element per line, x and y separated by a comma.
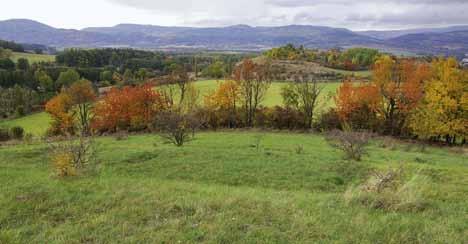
<point>443,111</point>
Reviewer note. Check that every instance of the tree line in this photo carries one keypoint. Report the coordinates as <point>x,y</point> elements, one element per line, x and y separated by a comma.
<point>405,98</point>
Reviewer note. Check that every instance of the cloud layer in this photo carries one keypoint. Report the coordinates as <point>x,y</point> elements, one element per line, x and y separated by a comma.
<point>358,15</point>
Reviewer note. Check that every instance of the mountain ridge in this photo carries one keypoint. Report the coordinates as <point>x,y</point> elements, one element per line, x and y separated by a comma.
<point>235,37</point>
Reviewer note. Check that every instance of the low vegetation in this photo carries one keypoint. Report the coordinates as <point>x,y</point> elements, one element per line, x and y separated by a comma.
<point>218,188</point>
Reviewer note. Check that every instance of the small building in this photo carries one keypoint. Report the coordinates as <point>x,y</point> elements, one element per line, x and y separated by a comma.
<point>464,62</point>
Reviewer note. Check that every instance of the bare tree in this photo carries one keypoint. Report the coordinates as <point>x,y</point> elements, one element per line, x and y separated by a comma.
<point>303,95</point>
<point>175,127</point>
<point>352,143</point>
<point>182,80</point>
<point>254,81</point>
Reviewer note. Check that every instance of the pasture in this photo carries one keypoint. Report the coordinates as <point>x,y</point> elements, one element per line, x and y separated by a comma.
<point>221,189</point>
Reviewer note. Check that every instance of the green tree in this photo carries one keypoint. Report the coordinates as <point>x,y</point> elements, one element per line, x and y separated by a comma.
<point>23,64</point>
<point>45,82</point>
<point>67,78</point>
<point>303,95</point>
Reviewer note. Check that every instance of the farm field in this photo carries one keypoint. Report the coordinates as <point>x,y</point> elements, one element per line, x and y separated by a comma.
<point>220,189</point>
<point>33,58</point>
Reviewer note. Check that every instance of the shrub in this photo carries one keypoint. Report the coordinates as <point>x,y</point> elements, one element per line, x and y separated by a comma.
<point>329,121</point>
<point>175,127</point>
<point>299,149</point>
<point>73,157</point>
<point>28,138</point>
<point>352,143</point>
<point>4,134</point>
<point>390,191</point>
<point>17,133</point>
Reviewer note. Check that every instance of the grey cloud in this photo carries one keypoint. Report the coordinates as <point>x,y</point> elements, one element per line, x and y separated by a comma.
<point>375,14</point>
<point>304,3</point>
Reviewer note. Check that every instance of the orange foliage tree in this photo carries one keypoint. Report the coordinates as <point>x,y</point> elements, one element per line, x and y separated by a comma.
<point>384,103</point>
<point>71,105</point>
<point>223,102</point>
<point>59,108</point>
<point>358,105</point>
<point>400,83</point>
<point>127,108</point>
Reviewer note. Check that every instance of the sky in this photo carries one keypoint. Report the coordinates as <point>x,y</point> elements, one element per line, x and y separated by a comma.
<point>355,15</point>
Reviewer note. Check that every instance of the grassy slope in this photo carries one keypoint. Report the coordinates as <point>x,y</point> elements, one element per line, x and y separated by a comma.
<point>218,189</point>
<point>33,58</point>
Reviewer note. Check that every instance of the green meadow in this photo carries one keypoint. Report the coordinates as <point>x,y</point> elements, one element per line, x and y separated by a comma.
<point>219,188</point>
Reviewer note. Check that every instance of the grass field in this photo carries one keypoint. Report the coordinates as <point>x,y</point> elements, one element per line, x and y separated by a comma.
<point>35,124</point>
<point>219,189</point>
<point>33,58</point>
<point>273,96</point>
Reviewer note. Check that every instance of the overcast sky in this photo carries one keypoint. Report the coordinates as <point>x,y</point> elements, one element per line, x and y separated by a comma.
<point>356,15</point>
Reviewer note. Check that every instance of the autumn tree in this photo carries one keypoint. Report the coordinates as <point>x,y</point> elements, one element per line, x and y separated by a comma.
<point>71,109</point>
<point>59,108</point>
<point>303,95</point>
<point>400,86</point>
<point>127,108</point>
<point>82,97</point>
<point>358,105</point>
<point>443,112</point>
<point>253,80</point>
<point>225,99</point>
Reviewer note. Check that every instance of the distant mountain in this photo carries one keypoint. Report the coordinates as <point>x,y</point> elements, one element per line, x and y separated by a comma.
<point>449,43</point>
<point>383,35</point>
<point>450,40</point>
<point>239,37</point>
<point>29,31</point>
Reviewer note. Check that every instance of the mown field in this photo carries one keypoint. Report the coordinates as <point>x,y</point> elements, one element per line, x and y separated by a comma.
<point>33,58</point>
<point>221,189</point>
<point>37,124</point>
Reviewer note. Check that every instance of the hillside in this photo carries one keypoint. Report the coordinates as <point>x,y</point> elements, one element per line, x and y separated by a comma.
<point>238,37</point>
<point>218,189</point>
<point>451,40</point>
<point>450,43</point>
<point>389,34</point>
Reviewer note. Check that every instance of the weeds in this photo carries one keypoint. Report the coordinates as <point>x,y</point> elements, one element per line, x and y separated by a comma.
<point>390,191</point>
